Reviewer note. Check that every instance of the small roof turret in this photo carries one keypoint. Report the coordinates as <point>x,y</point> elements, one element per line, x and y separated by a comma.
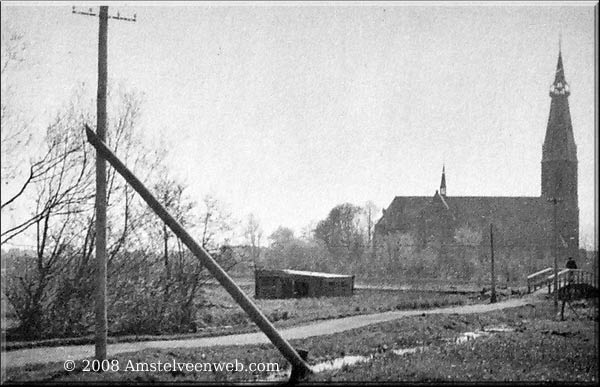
<point>443,183</point>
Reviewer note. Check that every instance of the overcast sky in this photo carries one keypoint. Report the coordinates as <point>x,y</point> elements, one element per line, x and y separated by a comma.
<point>288,110</point>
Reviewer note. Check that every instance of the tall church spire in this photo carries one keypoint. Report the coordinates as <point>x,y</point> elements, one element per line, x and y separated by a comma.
<point>443,183</point>
<point>559,143</point>
<point>559,162</point>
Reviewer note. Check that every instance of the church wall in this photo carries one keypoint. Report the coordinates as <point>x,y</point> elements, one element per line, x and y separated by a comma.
<point>465,256</point>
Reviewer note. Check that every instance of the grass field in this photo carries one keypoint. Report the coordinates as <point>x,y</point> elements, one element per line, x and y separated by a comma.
<point>534,348</point>
<point>222,310</point>
<point>538,349</point>
<point>218,314</point>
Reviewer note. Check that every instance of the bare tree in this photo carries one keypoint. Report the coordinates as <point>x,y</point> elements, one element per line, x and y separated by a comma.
<point>180,206</point>
<point>63,217</point>
<point>16,135</point>
<point>370,210</point>
<point>341,232</point>
<point>216,223</point>
<point>62,193</point>
<point>281,237</point>
<point>253,235</point>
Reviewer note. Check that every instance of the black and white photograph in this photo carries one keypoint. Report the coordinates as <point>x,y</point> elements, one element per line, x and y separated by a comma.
<point>299,192</point>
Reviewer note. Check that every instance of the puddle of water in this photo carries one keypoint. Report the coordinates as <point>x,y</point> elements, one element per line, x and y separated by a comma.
<point>468,336</point>
<point>350,360</point>
<point>328,365</point>
<point>405,351</point>
<point>340,362</point>
<point>500,328</point>
<point>276,376</point>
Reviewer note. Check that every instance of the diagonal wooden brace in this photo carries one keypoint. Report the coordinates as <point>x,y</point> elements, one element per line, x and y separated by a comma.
<point>238,295</point>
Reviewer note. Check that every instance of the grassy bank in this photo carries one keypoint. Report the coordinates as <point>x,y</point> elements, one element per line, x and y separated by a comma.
<point>220,315</point>
<point>539,348</point>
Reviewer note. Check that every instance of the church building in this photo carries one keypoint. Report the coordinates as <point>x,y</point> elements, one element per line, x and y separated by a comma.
<point>526,224</point>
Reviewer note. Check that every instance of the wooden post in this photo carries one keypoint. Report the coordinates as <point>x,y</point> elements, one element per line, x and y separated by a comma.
<point>493,296</point>
<point>101,319</point>
<point>555,258</point>
<point>166,245</point>
<point>100,297</point>
<point>298,364</point>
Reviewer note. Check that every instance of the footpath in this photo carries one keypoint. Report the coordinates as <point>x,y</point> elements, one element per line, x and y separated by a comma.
<point>40,355</point>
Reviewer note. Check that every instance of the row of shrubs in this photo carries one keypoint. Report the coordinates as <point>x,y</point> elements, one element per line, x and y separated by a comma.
<point>141,298</point>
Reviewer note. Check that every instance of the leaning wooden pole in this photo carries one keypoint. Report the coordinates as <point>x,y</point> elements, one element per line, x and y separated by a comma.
<point>238,295</point>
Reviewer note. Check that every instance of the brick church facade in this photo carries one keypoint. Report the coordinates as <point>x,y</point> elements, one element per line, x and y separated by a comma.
<point>524,224</point>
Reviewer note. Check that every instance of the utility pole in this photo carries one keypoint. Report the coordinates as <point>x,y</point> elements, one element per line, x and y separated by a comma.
<point>493,296</point>
<point>554,202</point>
<point>100,304</point>
<point>166,243</point>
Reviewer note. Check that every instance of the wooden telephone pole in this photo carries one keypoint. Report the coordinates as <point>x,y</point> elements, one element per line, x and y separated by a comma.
<point>100,305</point>
<point>555,202</point>
<point>493,296</point>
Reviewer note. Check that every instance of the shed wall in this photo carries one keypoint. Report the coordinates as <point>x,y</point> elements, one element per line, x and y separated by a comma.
<point>274,284</point>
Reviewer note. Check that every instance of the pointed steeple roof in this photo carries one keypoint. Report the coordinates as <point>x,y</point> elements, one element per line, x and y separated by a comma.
<point>560,85</point>
<point>560,71</point>
<point>559,143</point>
<point>443,183</point>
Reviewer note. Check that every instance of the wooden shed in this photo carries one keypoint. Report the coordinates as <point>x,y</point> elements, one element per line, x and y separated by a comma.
<point>295,284</point>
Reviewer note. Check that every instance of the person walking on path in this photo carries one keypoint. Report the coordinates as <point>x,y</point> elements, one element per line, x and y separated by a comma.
<point>571,264</point>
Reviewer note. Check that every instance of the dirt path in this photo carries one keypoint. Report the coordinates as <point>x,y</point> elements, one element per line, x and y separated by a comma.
<point>76,352</point>
<point>461,289</point>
